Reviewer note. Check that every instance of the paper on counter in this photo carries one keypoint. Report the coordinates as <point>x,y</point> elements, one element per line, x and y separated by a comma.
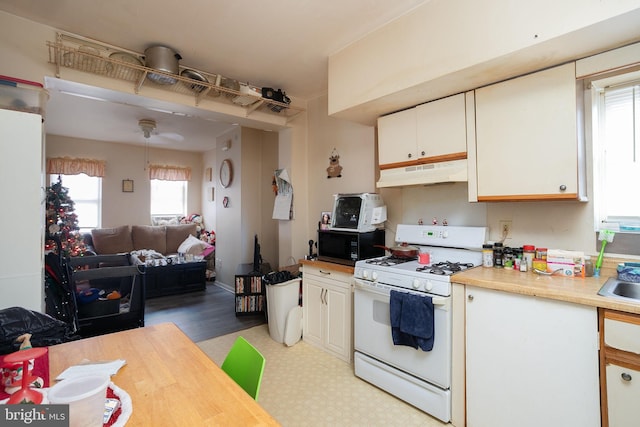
<point>91,368</point>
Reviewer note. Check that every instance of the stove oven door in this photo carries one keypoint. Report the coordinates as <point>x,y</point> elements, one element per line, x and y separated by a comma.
<point>372,335</point>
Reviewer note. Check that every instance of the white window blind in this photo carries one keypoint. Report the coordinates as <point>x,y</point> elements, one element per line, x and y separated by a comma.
<point>618,165</point>
<point>86,193</point>
<point>168,198</point>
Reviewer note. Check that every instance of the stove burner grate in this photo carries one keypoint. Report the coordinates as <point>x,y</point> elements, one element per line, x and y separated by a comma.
<point>389,261</point>
<point>445,268</point>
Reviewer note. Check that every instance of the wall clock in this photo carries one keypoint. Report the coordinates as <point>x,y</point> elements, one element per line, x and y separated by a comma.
<point>226,173</point>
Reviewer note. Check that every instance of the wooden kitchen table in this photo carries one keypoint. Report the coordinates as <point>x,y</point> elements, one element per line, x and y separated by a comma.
<point>170,380</point>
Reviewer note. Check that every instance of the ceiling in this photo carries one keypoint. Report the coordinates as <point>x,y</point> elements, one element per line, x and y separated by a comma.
<point>278,43</point>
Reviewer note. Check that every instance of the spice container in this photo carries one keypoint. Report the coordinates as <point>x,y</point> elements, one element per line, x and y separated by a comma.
<point>539,264</point>
<point>487,255</point>
<point>528,254</point>
<point>588,266</point>
<point>507,258</point>
<point>497,255</point>
<point>541,253</point>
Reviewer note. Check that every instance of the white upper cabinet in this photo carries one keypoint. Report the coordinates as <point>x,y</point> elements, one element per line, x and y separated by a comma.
<point>428,133</point>
<point>528,142</point>
<point>397,137</point>
<point>441,127</point>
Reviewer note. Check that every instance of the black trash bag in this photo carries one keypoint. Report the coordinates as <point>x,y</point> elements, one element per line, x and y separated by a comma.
<point>278,277</point>
<point>44,329</point>
<point>59,298</point>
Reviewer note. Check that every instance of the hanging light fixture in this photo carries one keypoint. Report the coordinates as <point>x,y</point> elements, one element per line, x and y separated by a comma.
<point>147,126</point>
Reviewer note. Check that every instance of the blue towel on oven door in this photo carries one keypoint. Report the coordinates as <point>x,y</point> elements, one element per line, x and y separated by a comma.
<point>411,320</point>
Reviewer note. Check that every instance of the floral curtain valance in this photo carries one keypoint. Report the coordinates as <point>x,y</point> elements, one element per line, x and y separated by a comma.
<point>70,166</point>
<point>169,173</point>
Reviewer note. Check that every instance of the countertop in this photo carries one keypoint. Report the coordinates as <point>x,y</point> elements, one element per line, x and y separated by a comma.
<point>328,265</point>
<point>577,290</point>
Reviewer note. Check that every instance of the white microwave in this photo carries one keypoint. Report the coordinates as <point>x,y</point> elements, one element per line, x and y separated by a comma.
<point>361,212</point>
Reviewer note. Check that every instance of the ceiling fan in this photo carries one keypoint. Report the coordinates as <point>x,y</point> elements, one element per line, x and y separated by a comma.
<point>149,130</point>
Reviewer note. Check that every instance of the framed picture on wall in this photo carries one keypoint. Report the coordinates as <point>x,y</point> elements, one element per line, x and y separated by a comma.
<point>127,186</point>
<point>325,220</point>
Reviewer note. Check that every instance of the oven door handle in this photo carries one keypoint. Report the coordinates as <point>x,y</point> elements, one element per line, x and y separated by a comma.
<point>440,301</point>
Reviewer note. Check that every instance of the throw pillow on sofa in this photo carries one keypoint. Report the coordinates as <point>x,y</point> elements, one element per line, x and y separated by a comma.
<point>176,234</point>
<point>112,240</point>
<point>193,245</point>
<point>149,237</point>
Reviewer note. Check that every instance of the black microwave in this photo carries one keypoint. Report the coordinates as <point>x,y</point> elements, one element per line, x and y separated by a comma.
<point>347,247</point>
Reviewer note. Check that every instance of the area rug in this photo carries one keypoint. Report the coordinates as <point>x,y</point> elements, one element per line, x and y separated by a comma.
<point>305,386</point>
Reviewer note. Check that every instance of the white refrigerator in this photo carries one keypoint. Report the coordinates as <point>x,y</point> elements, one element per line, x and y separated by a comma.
<point>21,210</point>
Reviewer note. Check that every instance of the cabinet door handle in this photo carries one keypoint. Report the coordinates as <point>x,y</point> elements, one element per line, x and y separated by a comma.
<point>325,272</point>
<point>626,376</point>
<point>470,297</point>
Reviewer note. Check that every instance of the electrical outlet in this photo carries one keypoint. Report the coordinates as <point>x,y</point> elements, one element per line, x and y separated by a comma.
<point>504,225</point>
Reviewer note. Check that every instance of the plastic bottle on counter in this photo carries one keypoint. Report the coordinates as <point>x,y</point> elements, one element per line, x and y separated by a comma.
<point>528,254</point>
<point>517,258</point>
<point>497,255</point>
<point>588,266</point>
<point>524,267</point>
<point>507,258</point>
<point>487,255</point>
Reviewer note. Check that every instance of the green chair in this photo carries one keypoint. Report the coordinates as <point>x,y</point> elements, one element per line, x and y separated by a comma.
<point>245,365</point>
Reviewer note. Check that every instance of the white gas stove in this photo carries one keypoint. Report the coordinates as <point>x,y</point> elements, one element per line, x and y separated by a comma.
<point>451,248</point>
<point>421,378</point>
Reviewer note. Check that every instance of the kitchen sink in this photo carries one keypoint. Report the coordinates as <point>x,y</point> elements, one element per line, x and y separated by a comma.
<point>620,289</point>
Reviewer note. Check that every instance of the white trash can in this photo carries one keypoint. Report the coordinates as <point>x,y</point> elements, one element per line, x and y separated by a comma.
<point>284,314</point>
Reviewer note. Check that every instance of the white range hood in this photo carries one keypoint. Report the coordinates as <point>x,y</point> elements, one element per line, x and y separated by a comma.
<point>431,173</point>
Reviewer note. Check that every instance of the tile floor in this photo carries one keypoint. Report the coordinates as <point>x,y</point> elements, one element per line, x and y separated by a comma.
<point>304,386</point>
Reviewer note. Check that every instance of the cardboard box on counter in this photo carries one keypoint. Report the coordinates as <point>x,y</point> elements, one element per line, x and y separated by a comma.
<point>571,263</point>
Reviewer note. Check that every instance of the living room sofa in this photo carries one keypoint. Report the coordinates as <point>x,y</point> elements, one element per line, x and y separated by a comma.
<point>167,277</point>
<point>164,239</point>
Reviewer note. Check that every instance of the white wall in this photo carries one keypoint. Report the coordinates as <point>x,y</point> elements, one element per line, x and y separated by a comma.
<point>253,155</point>
<point>450,46</point>
<point>209,189</point>
<point>355,143</point>
<point>128,162</point>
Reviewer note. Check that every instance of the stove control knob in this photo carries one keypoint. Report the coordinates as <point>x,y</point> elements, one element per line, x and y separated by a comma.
<point>416,283</point>
<point>374,276</point>
<point>445,234</point>
<point>365,274</point>
<point>429,285</point>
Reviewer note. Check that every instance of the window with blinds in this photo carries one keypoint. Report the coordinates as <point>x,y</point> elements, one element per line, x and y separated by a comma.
<point>617,154</point>
<point>168,198</point>
<point>86,193</point>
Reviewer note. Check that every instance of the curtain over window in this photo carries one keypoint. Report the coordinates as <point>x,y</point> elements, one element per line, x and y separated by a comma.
<point>169,173</point>
<point>71,166</point>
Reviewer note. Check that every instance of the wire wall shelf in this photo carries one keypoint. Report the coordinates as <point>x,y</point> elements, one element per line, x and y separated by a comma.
<point>107,61</point>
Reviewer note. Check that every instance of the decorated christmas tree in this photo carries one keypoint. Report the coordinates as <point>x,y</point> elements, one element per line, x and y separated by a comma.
<point>62,222</point>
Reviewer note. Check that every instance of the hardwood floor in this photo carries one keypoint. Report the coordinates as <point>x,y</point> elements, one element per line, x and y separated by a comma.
<point>200,315</point>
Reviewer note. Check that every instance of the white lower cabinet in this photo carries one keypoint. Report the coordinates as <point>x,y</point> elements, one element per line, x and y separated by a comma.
<point>620,368</point>
<point>327,311</point>
<point>530,361</point>
<point>623,395</point>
